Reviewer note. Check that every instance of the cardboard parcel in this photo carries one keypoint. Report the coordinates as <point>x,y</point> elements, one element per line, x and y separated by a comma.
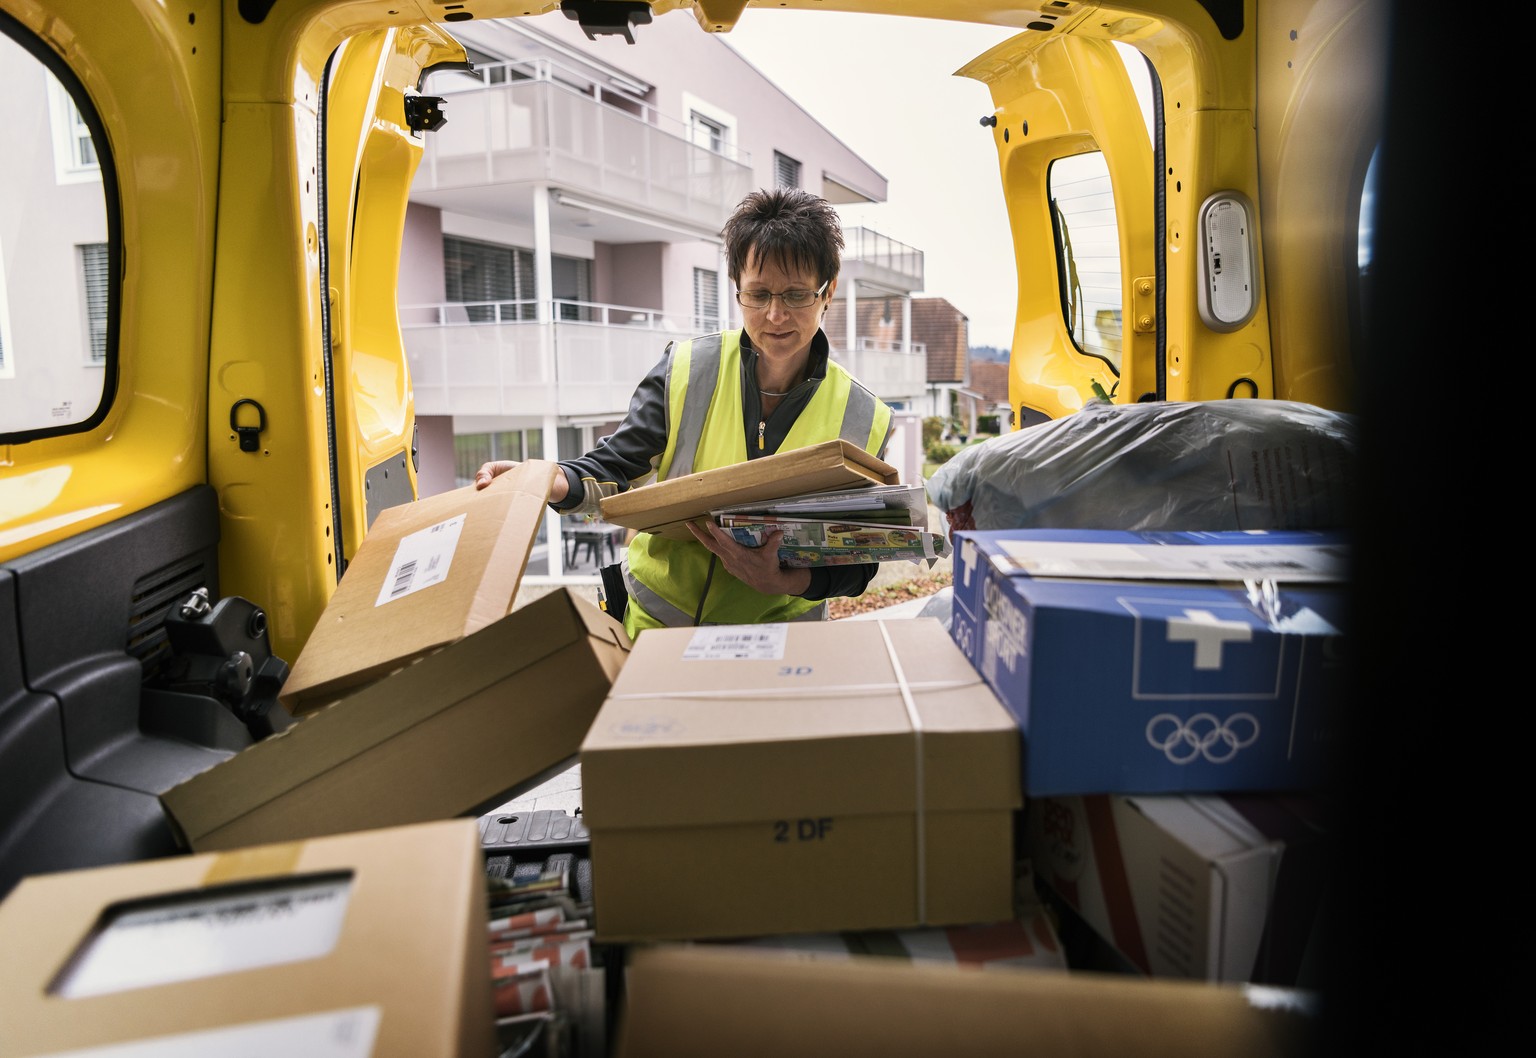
<point>1203,886</point>
<point>427,574</point>
<point>664,507</point>
<point>363,944</point>
<point>454,734</point>
<point>1142,662</point>
<point>697,1002</point>
<point>743,780</point>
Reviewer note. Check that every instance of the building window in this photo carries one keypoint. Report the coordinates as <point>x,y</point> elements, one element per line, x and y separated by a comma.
<point>494,283</point>
<point>571,285</point>
<point>786,171</point>
<point>712,129</point>
<point>706,133</point>
<point>706,301</point>
<point>74,149</point>
<point>93,269</point>
<point>470,450</point>
<point>82,148</point>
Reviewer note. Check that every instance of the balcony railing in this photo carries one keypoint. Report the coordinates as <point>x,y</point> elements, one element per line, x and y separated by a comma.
<point>884,367</point>
<point>494,358</point>
<point>550,125</point>
<point>868,255</point>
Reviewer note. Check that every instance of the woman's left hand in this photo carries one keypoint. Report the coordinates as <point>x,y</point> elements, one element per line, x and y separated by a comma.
<point>756,567</point>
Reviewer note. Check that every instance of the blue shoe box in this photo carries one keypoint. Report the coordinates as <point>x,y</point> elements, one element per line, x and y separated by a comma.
<point>1159,662</point>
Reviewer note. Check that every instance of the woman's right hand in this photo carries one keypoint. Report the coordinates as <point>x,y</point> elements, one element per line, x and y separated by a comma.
<point>488,472</point>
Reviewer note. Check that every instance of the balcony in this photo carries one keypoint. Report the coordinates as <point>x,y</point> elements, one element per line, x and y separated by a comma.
<point>548,124</point>
<point>879,260</point>
<point>496,359</point>
<point>892,374</point>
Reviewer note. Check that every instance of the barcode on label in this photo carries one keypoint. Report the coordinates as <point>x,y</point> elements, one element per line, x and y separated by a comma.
<point>403,577</point>
<point>737,643</point>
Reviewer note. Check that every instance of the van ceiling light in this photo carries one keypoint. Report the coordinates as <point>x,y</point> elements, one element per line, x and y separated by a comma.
<point>1229,278</point>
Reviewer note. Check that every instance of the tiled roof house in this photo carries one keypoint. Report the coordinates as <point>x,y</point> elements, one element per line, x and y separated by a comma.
<point>939,331</point>
<point>987,394</point>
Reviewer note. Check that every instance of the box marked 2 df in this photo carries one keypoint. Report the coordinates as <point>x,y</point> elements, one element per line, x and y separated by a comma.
<point>799,777</point>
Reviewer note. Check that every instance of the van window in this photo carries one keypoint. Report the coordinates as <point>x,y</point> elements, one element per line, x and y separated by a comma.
<point>1087,254</point>
<point>58,253</point>
<point>1087,231</point>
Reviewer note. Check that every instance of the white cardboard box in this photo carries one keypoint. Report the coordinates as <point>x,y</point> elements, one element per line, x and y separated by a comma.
<point>1207,887</point>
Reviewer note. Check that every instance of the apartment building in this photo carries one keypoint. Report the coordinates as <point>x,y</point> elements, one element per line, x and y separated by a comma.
<point>564,227</point>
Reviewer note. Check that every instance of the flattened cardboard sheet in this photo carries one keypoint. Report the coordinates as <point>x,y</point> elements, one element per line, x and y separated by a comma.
<point>452,735</point>
<point>665,507</point>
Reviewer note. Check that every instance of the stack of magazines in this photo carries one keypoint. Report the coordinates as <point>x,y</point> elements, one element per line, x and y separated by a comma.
<point>879,523</point>
<point>549,994</point>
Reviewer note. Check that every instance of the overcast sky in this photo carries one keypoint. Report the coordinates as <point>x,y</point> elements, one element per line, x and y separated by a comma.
<point>885,86</point>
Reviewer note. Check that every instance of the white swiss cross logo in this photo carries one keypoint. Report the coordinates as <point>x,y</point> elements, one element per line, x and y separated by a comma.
<point>1208,633</point>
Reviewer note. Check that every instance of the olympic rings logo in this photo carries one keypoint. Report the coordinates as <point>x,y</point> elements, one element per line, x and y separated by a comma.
<point>1202,735</point>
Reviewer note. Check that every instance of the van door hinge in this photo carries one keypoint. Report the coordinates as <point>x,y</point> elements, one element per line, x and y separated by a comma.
<point>1143,304</point>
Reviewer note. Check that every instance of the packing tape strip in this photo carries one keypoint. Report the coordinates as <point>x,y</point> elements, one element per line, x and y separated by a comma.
<point>260,861</point>
<point>848,690</point>
<point>917,741</point>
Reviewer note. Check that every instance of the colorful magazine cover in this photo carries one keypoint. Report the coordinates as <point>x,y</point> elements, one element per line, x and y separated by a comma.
<point>831,543</point>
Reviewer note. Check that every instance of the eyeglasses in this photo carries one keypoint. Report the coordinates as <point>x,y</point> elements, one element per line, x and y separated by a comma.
<point>792,299</point>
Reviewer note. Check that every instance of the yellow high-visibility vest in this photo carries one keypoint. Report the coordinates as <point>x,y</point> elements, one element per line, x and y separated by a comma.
<point>667,579</point>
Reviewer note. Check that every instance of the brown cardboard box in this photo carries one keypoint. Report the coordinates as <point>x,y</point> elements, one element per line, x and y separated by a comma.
<point>754,779</point>
<point>452,734</point>
<point>365,944</point>
<point>665,507</point>
<point>427,574</point>
<point>682,1002</point>
<point>1028,941</point>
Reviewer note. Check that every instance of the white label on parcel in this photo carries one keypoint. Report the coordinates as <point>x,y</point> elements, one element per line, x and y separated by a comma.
<point>1108,561</point>
<point>421,560</point>
<point>184,938</point>
<point>332,1034</point>
<point>738,643</point>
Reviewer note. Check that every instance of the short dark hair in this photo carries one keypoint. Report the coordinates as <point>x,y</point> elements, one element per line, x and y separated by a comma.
<point>786,225</point>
